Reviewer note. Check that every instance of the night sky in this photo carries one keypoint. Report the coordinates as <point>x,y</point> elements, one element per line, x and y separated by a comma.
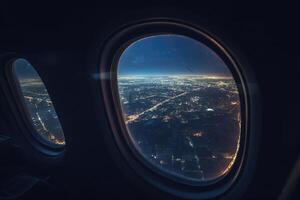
<point>24,70</point>
<point>170,55</point>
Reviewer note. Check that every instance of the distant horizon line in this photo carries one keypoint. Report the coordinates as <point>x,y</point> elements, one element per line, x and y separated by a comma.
<point>208,76</point>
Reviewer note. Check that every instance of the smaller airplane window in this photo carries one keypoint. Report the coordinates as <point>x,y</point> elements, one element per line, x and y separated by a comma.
<point>38,103</point>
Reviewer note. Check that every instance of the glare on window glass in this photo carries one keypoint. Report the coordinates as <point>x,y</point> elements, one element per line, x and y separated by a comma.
<point>181,106</point>
<point>38,103</point>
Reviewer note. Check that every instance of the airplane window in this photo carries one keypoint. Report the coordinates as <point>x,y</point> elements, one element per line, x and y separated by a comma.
<point>181,107</point>
<point>38,104</point>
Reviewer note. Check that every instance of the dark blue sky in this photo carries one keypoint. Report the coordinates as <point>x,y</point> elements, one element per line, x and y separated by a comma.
<point>170,55</point>
<point>24,70</point>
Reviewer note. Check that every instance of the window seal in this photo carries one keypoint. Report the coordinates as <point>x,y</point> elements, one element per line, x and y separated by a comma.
<point>21,112</point>
<point>111,52</point>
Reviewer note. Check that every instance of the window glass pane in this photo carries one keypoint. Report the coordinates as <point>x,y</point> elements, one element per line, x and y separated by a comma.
<point>181,106</point>
<point>38,103</point>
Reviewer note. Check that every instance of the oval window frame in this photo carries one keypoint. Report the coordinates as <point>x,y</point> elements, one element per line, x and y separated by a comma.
<point>111,52</point>
<point>23,120</point>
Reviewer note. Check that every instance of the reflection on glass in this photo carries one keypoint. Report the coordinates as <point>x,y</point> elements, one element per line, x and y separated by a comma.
<point>181,106</point>
<point>38,102</point>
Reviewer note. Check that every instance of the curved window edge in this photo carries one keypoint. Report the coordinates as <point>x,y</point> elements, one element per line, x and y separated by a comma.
<point>28,134</point>
<point>112,51</point>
